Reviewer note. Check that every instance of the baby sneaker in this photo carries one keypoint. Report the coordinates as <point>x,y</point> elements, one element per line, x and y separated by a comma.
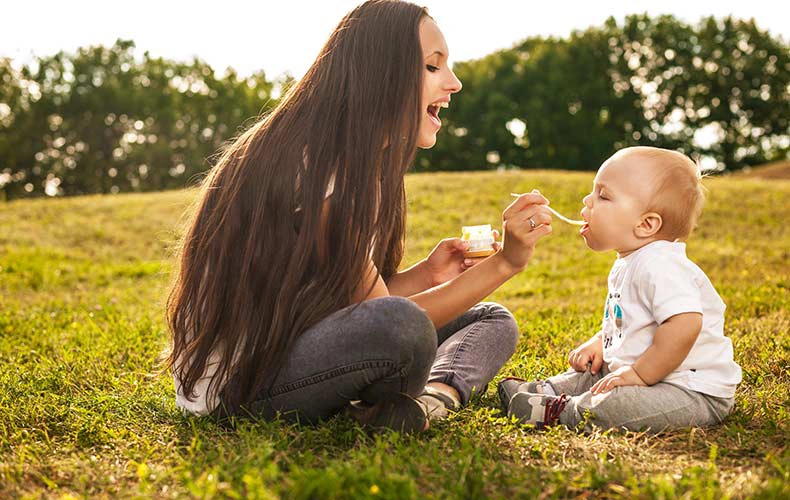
<point>508,388</point>
<point>540,410</point>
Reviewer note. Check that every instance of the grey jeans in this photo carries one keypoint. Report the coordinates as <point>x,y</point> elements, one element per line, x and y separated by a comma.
<point>387,345</point>
<point>657,407</point>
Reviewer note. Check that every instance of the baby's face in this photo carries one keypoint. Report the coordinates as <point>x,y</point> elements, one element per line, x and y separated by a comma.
<point>614,208</point>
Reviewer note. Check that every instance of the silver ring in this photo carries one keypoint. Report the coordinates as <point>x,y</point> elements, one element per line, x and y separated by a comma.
<point>532,224</point>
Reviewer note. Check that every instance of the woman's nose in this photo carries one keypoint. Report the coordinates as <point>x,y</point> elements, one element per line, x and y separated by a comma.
<point>454,84</point>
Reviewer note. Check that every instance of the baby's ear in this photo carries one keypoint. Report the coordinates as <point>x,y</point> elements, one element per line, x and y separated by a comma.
<point>649,225</point>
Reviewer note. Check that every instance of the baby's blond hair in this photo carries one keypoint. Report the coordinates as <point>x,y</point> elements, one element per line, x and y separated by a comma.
<point>678,195</point>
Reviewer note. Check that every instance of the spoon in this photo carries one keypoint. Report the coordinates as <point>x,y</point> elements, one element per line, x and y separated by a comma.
<point>559,215</point>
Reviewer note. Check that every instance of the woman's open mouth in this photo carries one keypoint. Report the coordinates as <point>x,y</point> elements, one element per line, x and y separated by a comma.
<point>433,112</point>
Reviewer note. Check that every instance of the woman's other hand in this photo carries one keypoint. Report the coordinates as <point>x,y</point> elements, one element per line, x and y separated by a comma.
<point>524,222</point>
<point>446,260</point>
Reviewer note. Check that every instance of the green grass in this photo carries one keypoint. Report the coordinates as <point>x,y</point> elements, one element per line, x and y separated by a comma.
<point>85,412</point>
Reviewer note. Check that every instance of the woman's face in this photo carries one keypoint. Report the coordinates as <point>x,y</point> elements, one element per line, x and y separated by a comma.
<point>439,81</point>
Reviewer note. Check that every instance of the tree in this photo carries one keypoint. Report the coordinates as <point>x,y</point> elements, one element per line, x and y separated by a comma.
<point>104,121</point>
<point>717,91</point>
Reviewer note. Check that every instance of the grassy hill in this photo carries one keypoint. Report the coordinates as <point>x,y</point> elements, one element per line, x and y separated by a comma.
<point>775,170</point>
<point>84,410</point>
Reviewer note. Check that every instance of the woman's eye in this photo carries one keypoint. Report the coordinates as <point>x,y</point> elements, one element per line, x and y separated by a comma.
<point>432,69</point>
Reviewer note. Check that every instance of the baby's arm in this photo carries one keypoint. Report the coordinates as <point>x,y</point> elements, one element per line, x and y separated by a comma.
<point>672,342</point>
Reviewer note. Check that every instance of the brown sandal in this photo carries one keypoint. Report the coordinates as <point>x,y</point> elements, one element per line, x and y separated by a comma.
<point>438,403</point>
<point>395,411</point>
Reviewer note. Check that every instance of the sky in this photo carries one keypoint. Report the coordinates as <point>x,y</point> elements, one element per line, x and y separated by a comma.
<point>285,35</point>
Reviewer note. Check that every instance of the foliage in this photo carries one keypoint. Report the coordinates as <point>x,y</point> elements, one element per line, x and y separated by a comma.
<point>570,103</point>
<point>105,121</point>
<point>102,121</point>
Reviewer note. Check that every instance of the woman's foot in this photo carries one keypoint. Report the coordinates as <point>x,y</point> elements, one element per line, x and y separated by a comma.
<point>395,411</point>
<point>439,400</point>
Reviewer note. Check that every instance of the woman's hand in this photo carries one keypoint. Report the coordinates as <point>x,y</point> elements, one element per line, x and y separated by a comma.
<point>625,375</point>
<point>446,260</point>
<point>524,222</point>
<point>589,353</point>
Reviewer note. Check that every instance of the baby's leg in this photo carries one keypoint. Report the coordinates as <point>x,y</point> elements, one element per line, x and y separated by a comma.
<point>571,383</point>
<point>657,407</point>
<point>574,383</point>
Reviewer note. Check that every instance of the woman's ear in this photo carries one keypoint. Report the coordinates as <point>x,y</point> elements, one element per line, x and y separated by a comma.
<point>649,225</point>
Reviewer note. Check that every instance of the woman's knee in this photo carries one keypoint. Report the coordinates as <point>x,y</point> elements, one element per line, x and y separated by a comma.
<point>506,328</point>
<point>405,328</point>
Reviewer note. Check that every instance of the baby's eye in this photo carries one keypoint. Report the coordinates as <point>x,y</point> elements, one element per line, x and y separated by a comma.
<point>602,196</point>
<point>431,68</point>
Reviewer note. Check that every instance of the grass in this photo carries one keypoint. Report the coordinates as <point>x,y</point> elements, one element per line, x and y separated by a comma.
<point>86,413</point>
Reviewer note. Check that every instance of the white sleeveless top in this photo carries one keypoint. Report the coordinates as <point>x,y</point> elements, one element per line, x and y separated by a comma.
<point>204,402</point>
<point>206,399</point>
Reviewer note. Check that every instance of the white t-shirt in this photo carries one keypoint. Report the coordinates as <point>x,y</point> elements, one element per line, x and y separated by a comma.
<point>648,287</point>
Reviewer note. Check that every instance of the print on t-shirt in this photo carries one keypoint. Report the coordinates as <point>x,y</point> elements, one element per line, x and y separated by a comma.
<point>612,330</point>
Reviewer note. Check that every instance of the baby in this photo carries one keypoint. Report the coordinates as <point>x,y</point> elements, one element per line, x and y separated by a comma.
<point>661,359</point>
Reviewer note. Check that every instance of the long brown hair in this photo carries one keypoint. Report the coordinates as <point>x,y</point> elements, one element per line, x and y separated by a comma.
<point>250,279</point>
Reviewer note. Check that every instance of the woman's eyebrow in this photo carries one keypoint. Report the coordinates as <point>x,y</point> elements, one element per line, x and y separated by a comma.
<point>441,54</point>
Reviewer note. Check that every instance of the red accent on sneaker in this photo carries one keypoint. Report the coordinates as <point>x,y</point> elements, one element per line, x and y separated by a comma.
<point>553,409</point>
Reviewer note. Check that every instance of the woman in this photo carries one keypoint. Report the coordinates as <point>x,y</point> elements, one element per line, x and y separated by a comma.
<point>288,299</point>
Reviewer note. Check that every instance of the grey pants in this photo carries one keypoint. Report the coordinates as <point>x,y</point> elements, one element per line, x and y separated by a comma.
<point>657,407</point>
<point>387,345</point>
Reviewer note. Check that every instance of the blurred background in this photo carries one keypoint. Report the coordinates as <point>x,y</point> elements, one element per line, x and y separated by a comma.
<point>107,97</point>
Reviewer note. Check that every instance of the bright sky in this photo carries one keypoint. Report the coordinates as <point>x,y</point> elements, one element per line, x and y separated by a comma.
<point>286,35</point>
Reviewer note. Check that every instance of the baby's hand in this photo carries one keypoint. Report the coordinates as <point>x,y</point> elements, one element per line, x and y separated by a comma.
<point>588,354</point>
<point>625,375</point>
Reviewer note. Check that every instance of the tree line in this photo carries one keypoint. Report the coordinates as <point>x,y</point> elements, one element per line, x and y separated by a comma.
<point>105,121</point>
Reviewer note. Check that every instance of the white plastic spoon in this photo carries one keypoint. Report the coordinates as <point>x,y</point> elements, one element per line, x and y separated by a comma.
<point>559,215</point>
